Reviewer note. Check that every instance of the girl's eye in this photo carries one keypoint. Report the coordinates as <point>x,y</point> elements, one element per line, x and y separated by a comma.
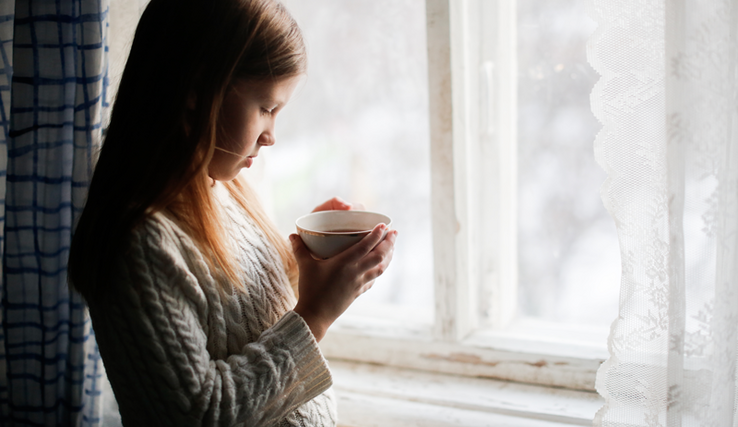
<point>265,112</point>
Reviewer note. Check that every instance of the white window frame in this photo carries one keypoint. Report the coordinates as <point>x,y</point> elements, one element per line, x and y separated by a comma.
<point>473,134</point>
<point>458,343</point>
<point>462,356</point>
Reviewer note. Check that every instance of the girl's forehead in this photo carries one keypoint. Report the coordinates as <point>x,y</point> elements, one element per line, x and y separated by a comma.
<point>277,91</point>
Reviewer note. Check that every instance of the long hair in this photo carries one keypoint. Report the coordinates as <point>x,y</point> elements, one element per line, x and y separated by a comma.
<point>185,56</point>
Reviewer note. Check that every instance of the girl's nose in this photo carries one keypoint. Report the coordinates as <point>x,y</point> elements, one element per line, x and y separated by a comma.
<point>266,139</point>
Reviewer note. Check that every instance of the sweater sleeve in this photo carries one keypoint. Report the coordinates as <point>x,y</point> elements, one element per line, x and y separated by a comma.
<point>152,335</point>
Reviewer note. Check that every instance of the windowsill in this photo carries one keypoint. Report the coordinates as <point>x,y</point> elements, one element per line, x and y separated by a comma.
<point>545,358</point>
<point>372,395</point>
<point>525,335</point>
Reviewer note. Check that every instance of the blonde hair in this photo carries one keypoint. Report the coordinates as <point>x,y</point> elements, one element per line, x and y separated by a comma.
<point>197,213</point>
<point>185,56</point>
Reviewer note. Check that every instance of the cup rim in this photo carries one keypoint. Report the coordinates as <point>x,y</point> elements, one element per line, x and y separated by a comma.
<point>339,233</point>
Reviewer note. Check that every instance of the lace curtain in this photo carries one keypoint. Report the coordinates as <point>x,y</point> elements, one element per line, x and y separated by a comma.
<point>667,100</point>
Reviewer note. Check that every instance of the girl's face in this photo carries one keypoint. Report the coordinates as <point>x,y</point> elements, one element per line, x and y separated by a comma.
<point>247,123</point>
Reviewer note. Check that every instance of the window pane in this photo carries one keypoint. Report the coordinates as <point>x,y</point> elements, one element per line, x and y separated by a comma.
<point>569,266</point>
<point>358,129</point>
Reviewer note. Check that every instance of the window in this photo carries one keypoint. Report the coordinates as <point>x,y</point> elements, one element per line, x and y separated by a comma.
<point>568,250</point>
<point>468,122</point>
<point>358,128</point>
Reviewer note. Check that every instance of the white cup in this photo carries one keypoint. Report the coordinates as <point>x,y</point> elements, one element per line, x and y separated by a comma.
<point>328,233</point>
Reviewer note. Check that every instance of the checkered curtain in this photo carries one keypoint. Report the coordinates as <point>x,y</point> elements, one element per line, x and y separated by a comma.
<point>53,98</point>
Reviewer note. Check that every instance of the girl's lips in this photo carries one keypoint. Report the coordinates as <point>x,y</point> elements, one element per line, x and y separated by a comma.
<point>250,160</point>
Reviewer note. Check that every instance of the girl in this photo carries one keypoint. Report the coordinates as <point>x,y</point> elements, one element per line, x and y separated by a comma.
<point>189,285</point>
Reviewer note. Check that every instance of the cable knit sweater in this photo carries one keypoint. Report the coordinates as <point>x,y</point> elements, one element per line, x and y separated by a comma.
<point>180,352</point>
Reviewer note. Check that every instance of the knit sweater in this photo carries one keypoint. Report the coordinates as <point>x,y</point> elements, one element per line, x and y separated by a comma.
<point>179,351</point>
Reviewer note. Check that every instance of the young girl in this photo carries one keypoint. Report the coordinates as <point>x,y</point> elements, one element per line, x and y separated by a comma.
<point>189,285</point>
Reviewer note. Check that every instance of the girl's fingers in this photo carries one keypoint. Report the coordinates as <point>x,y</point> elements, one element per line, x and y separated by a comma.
<point>377,271</point>
<point>369,242</point>
<point>299,249</point>
<point>380,255</point>
<point>370,261</point>
<point>388,240</point>
<point>334,204</point>
<point>366,287</point>
<point>386,244</point>
<point>382,251</point>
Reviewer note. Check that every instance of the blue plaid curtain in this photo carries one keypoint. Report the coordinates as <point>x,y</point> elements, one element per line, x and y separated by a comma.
<point>53,101</point>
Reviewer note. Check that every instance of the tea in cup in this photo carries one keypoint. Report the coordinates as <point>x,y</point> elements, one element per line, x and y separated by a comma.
<point>328,233</point>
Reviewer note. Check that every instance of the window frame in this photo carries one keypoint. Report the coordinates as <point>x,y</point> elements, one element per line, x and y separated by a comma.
<point>473,129</point>
<point>469,347</point>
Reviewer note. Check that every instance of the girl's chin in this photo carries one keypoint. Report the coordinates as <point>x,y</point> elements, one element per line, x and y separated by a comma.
<point>225,177</point>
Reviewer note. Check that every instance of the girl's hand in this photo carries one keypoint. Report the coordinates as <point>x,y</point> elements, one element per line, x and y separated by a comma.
<point>328,287</point>
<point>338,204</point>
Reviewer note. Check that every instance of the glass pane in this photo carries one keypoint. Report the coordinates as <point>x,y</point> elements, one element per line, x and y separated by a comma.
<point>569,262</point>
<point>358,129</point>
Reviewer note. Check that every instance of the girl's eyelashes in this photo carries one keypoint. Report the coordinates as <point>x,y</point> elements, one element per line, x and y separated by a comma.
<point>268,111</point>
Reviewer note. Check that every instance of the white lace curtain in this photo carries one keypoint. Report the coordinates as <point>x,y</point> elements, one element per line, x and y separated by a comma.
<point>668,102</point>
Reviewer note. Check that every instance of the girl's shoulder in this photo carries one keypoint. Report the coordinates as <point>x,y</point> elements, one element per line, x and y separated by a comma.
<point>159,254</point>
<point>158,238</point>
<point>160,230</point>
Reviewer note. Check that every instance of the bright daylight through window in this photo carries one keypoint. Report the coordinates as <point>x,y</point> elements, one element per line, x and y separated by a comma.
<point>468,122</point>
<point>361,128</point>
<point>568,260</point>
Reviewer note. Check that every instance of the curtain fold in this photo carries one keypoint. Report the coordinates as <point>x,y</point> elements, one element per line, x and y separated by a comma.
<point>7,15</point>
<point>668,102</point>
<point>50,369</point>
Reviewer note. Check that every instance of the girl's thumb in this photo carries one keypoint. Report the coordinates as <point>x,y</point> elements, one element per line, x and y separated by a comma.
<point>298,248</point>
